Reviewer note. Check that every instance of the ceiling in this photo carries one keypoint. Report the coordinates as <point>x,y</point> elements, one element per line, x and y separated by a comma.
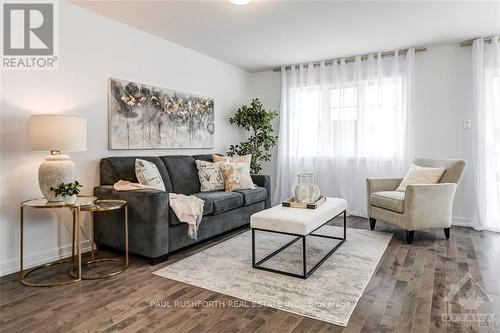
<point>267,34</point>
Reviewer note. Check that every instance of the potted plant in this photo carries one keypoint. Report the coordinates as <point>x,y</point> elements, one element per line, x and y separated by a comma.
<point>259,122</point>
<point>68,191</point>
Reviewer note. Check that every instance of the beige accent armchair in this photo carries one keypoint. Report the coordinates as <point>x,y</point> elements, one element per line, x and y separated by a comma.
<point>421,206</point>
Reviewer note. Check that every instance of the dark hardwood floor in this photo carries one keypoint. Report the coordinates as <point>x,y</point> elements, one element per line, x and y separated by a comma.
<point>406,294</point>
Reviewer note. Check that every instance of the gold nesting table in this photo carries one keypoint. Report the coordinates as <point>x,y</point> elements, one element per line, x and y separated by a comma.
<point>104,206</point>
<point>82,204</point>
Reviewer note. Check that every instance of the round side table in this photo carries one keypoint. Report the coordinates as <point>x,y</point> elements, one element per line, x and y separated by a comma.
<point>104,206</point>
<point>75,210</point>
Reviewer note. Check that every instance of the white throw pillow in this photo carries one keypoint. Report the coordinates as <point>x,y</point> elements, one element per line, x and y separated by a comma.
<point>147,174</point>
<point>418,175</point>
<point>210,176</point>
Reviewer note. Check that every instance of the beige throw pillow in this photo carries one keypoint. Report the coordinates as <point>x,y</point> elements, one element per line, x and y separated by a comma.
<point>421,175</point>
<point>236,176</point>
<point>147,174</point>
<point>210,176</point>
<point>247,159</point>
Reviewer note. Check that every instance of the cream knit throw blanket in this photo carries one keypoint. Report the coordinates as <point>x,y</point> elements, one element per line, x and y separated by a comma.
<point>188,209</point>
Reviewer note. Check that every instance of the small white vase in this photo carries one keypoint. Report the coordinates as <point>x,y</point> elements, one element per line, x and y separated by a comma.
<point>69,199</point>
<point>306,191</point>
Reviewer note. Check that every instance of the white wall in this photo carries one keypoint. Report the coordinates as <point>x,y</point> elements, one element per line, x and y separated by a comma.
<point>267,87</point>
<point>92,49</point>
<point>443,99</point>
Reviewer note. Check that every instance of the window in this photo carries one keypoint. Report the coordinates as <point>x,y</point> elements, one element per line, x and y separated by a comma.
<point>362,119</point>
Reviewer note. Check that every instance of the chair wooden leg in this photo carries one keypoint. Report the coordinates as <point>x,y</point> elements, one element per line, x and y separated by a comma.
<point>409,236</point>
<point>372,223</point>
<point>447,233</point>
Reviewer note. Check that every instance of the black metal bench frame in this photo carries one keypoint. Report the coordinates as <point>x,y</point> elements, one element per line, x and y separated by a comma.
<point>306,273</point>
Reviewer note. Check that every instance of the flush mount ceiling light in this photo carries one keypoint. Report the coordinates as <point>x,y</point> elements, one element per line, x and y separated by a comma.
<point>240,2</point>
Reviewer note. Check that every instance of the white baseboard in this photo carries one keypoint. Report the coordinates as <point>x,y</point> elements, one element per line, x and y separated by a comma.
<point>36,259</point>
<point>462,221</point>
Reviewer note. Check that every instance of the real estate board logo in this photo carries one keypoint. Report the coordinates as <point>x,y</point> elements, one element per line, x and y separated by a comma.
<point>468,305</point>
<point>29,36</point>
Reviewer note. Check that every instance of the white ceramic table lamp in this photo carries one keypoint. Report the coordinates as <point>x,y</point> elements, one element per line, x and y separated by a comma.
<point>56,133</point>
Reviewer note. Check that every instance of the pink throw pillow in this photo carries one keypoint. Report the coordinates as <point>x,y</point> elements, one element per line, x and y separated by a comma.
<point>247,159</point>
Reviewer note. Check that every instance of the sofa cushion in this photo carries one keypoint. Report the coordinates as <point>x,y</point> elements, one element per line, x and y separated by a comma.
<point>391,200</point>
<point>113,169</point>
<point>253,195</point>
<point>222,201</point>
<point>183,174</point>
<point>208,208</point>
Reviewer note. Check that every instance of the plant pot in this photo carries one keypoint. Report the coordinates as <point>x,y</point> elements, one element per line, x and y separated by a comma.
<point>54,198</point>
<point>69,199</point>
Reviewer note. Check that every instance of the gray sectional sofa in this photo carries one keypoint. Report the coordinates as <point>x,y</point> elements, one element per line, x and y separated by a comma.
<point>154,230</point>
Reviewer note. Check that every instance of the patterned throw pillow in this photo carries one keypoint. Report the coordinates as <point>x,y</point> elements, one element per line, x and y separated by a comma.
<point>237,176</point>
<point>247,159</point>
<point>210,176</point>
<point>147,174</point>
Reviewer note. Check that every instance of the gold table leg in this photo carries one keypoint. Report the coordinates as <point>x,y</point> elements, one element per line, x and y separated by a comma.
<point>23,274</point>
<point>92,236</point>
<point>73,236</point>
<point>78,244</point>
<point>125,261</point>
<point>126,236</point>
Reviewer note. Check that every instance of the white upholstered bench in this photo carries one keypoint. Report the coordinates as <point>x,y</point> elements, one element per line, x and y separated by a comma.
<point>300,223</point>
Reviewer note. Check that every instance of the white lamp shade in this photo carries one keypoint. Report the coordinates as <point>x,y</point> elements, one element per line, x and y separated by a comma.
<point>57,132</point>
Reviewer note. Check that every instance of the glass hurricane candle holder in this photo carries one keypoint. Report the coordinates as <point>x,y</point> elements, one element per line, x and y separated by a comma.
<point>306,191</point>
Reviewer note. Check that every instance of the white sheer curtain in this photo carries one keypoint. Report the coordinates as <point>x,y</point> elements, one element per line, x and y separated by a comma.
<point>345,122</point>
<point>486,146</point>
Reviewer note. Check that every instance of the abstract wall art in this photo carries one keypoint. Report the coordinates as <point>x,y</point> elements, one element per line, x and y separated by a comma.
<point>147,117</point>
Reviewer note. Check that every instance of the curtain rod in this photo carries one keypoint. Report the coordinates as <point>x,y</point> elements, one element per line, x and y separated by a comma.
<point>468,42</point>
<point>352,59</point>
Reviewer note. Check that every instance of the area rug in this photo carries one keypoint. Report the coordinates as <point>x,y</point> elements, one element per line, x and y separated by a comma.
<point>329,294</point>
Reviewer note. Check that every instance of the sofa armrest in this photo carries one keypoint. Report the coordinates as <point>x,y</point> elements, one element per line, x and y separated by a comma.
<point>265,182</point>
<point>429,205</point>
<point>147,201</point>
<point>380,184</point>
<point>148,214</point>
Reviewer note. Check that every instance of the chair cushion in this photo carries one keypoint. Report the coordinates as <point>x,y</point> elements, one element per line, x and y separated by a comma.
<point>222,201</point>
<point>208,208</point>
<point>252,196</point>
<point>183,173</point>
<point>391,200</point>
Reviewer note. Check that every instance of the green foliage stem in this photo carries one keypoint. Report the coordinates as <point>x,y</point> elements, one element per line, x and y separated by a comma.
<point>68,189</point>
